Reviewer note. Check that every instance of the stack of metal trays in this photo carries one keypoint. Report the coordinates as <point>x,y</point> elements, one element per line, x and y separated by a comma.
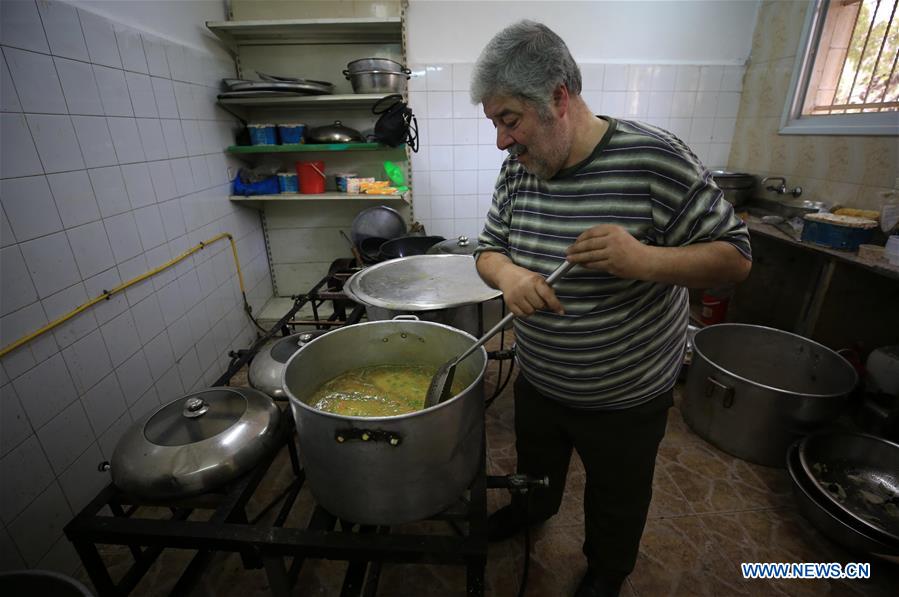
<point>274,86</point>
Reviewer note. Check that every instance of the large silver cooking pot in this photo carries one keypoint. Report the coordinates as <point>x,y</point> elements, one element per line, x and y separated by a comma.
<point>752,390</point>
<point>267,367</point>
<point>440,288</point>
<point>388,470</point>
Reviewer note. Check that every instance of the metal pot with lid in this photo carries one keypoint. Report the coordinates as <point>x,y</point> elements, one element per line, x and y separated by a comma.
<point>454,246</point>
<point>268,365</point>
<point>196,443</point>
<point>440,288</point>
<point>736,186</point>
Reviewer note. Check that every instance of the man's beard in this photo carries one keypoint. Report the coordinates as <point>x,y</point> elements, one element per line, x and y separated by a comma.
<point>551,156</point>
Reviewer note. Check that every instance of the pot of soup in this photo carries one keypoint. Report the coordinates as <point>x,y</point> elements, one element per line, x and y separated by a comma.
<point>370,453</point>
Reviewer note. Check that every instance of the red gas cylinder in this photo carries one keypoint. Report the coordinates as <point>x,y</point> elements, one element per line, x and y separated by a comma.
<point>714,307</point>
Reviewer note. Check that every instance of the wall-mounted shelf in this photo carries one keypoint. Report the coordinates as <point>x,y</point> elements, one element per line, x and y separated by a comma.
<point>306,148</point>
<point>258,201</point>
<point>308,31</point>
<point>327,102</point>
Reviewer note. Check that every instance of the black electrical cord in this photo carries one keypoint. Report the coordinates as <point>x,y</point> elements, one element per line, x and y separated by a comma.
<point>527,544</point>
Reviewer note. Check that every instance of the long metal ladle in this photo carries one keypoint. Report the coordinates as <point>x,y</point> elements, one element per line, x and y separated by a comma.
<point>442,382</point>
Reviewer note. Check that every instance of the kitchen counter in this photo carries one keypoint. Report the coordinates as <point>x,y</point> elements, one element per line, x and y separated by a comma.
<point>817,290</point>
<point>882,267</point>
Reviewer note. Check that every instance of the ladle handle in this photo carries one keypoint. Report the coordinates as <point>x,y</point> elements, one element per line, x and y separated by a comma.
<point>551,279</point>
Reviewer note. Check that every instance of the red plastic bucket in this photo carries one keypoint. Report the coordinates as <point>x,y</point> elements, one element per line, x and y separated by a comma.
<point>312,177</point>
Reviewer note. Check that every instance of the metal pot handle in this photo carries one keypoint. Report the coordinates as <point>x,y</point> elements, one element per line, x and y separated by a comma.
<point>713,387</point>
<point>406,317</point>
<point>368,435</point>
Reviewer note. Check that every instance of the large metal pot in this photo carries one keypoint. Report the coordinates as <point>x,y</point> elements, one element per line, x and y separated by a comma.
<point>366,64</point>
<point>752,390</point>
<point>440,288</point>
<point>377,75</point>
<point>454,246</point>
<point>267,367</point>
<point>388,470</point>
<point>738,187</point>
<point>196,443</point>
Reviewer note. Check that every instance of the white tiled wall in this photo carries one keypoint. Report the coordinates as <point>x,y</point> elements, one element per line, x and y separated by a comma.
<point>111,164</point>
<point>456,167</point>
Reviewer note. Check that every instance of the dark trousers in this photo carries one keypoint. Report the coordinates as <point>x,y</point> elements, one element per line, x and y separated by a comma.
<point>618,449</point>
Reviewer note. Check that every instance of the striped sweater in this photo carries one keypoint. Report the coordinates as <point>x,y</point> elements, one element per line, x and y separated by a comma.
<point>620,342</point>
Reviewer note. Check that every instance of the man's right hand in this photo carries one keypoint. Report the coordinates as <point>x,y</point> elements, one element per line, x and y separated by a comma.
<point>524,291</point>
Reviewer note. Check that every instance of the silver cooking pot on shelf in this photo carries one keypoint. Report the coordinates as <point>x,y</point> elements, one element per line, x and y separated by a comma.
<point>388,470</point>
<point>377,75</point>
<point>195,444</point>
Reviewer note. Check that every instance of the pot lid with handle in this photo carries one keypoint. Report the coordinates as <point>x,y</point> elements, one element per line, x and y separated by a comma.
<point>454,246</point>
<point>334,133</point>
<point>420,283</point>
<point>195,443</point>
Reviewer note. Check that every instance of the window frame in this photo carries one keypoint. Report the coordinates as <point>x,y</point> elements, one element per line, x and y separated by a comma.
<point>792,121</point>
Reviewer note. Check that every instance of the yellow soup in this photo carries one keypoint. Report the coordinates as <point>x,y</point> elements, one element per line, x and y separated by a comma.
<point>379,391</point>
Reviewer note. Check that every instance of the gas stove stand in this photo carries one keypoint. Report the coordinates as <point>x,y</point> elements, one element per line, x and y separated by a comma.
<point>280,550</point>
<point>218,521</point>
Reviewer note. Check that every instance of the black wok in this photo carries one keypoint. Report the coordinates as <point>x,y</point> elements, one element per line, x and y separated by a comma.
<point>406,246</point>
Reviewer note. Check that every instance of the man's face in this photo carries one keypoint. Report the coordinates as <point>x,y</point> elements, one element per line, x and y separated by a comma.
<point>541,144</point>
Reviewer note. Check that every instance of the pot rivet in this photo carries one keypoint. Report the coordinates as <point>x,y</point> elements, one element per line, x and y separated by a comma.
<point>365,437</point>
<point>385,340</point>
<point>402,335</point>
<point>394,441</point>
<point>340,439</point>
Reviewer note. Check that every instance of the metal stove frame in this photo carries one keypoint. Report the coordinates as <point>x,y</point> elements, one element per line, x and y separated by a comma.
<point>280,551</point>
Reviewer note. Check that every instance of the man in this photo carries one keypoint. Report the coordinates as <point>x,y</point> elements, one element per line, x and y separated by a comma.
<point>642,220</point>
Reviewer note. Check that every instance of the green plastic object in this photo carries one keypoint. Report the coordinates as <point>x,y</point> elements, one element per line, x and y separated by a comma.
<point>396,176</point>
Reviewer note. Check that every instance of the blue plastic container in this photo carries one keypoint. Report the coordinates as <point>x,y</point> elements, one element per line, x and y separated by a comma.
<point>291,134</point>
<point>833,236</point>
<point>288,182</point>
<point>262,134</point>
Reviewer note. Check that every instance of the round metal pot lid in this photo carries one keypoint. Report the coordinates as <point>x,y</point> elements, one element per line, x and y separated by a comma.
<point>420,283</point>
<point>195,443</point>
<point>454,246</point>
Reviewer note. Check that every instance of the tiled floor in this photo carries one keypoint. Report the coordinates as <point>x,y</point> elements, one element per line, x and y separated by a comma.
<point>709,513</point>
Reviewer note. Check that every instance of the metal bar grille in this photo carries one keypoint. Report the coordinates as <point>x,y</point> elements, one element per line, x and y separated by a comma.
<point>855,87</point>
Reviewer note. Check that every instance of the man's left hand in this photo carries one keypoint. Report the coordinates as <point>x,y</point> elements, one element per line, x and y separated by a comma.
<point>612,249</point>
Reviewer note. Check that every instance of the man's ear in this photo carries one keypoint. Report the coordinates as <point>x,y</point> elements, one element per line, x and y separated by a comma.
<point>561,100</point>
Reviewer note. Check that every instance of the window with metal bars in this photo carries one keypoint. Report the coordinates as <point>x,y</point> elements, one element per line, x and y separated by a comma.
<point>847,78</point>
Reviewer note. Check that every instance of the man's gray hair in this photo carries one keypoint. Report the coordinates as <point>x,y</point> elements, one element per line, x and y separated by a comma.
<point>528,61</point>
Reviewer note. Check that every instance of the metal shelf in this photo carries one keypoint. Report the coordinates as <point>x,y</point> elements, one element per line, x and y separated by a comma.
<point>361,100</point>
<point>307,147</point>
<point>258,201</point>
<point>362,30</point>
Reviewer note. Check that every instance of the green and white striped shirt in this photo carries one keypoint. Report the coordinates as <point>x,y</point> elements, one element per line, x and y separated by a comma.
<point>620,342</point>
